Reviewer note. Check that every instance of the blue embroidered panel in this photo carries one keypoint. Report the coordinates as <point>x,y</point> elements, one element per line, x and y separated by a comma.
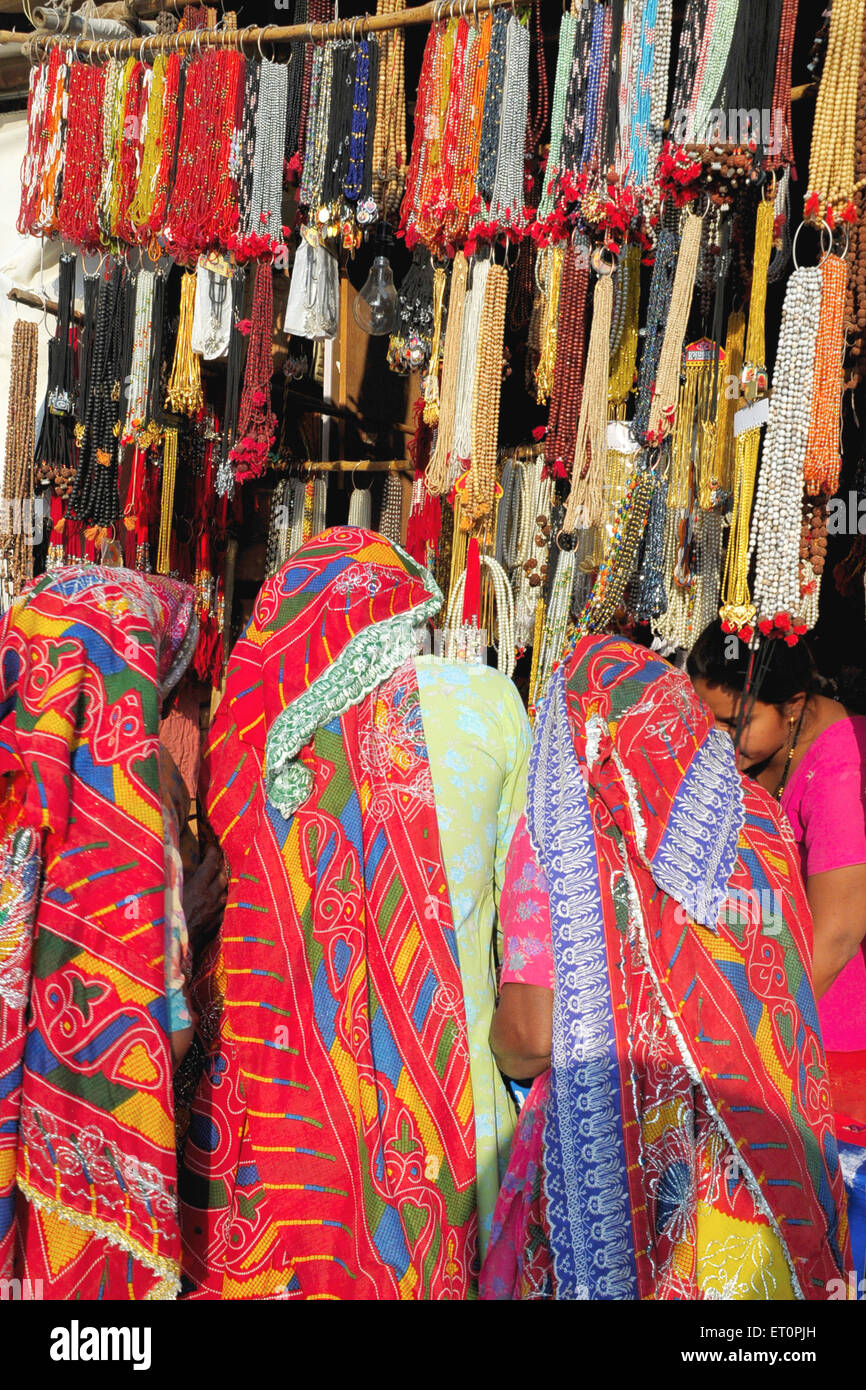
<point>585,1166</point>
<point>699,848</point>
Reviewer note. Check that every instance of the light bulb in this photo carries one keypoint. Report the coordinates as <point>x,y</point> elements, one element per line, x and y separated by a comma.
<point>375,306</point>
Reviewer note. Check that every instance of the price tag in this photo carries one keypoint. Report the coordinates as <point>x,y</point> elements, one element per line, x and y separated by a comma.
<point>751,417</point>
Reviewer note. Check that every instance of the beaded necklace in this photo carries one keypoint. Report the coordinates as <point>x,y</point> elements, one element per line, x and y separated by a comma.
<point>16,554</point>
<point>127,165</point>
<point>536,497</point>
<point>553,635</point>
<point>391,514</point>
<point>166,146</point>
<point>353,182</point>
<point>244,145</point>
<point>77,214</point>
<point>585,505</point>
<point>831,160</point>
<point>294,93</point>
<point>339,129</point>
<point>184,395</point>
<point>436,474</point>
<point>306,188</point>
<point>488,145</point>
<point>661,64</point>
<point>567,392</point>
<point>480,483</point>
<point>548,272</point>
<point>647,592</point>
<point>688,54</point>
<point>112,135</point>
<point>319,12</point>
<point>137,390</point>
<point>42,168</point>
<point>142,199</point>
<point>389,156</point>
<point>776,520</point>
<point>783,154</point>
<point>535,128</point>
<point>718,36</point>
<point>470,138</point>
<point>823,460</point>
<point>661,285</point>
<point>507,201</point>
<point>578,97</point>
<point>594,86</point>
<point>625,332</point>
<point>461,444</point>
<point>94,497</point>
<point>565,51</point>
<point>203,207</point>
<point>257,424</point>
<point>425,138</point>
<point>665,387</point>
<point>620,556</point>
<point>265,208</point>
<point>639,116</point>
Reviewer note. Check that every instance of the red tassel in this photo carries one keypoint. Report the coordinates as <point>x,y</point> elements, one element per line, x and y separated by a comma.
<point>472,590</point>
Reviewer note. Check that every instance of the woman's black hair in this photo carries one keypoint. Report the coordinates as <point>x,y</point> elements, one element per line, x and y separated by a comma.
<point>723,659</point>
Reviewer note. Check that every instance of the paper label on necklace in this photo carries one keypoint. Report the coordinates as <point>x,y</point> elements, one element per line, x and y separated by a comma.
<point>620,438</point>
<point>217,264</point>
<point>751,417</point>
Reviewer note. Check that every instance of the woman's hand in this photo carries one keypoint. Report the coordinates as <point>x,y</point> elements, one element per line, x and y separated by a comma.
<point>204,900</point>
<point>521,1035</point>
<point>838,902</point>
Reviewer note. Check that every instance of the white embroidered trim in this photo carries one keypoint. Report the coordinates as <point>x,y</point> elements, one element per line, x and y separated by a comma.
<point>366,661</point>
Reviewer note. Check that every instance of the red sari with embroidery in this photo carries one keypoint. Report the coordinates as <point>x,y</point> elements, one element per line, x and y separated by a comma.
<point>330,1151</point>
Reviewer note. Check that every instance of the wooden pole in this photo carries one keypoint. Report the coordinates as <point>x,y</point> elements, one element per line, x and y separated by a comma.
<point>36,301</point>
<point>253,36</point>
<point>362,465</point>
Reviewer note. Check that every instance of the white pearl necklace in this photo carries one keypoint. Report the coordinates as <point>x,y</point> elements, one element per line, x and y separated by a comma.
<point>507,203</point>
<point>774,539</point>
<point>454,636</point>
<point>139,369</point>
<point>461,439</point>
<point>360,508</point>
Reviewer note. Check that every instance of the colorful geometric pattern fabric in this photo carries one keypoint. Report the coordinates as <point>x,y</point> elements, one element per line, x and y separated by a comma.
<point>87,1158</point>
<point>688,1138</point>
<point>330,1151</point>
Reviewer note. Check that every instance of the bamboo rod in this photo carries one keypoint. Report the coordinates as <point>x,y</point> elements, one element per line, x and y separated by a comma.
<point>252,35</point>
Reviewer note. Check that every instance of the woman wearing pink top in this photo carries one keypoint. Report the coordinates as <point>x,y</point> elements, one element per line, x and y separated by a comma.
<point>810,753</point>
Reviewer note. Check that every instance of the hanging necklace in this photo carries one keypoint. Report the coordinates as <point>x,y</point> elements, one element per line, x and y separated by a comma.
<point>776,521</point>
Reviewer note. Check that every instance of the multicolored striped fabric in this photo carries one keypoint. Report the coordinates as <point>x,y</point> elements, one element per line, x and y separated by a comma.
<point>330,1150</point>
<point>88,1194</point>
<point>686,1134</point>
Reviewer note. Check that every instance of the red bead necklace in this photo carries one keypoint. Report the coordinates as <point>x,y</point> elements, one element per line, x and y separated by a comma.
<point>83,166</point>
